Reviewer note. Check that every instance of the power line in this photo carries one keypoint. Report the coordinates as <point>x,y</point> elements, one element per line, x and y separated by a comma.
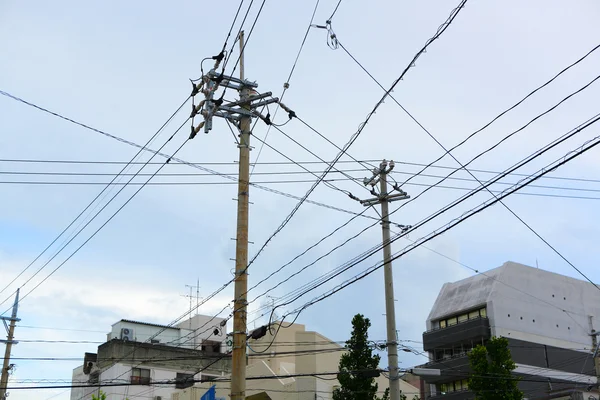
<point>561,161</point>
<point>107,187</point>
<point>263,377</point>
<point>86,183</point>
<point>59,329</point>
<point>275,163</point>
<point>448,152</point>
<point>332,274</point>
<point>335,10</point>
<point>286,85</point>
<point>101,226</point>
<point>517,104</point>
<point>355,136</point>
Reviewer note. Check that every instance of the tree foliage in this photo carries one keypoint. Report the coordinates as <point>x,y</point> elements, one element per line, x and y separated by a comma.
<point>357,365</point>
<point>492,367</point>
<point>101,396</point>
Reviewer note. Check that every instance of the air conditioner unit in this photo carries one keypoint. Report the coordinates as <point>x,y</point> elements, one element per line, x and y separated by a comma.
<point>127,334</point>
<point>157,397</point>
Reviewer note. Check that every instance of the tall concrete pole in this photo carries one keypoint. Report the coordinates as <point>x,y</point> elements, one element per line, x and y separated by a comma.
<point>9,343</point>
<point>384,198</point>
<point>390,309</point>
<point>238,368</point>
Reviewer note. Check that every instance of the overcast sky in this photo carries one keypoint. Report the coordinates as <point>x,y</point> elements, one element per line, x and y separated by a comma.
<point>124,68</point>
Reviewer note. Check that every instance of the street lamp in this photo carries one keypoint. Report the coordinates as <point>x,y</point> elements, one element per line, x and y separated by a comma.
<point>424,371</point>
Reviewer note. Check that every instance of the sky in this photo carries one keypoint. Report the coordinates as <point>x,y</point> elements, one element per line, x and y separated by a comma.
<point>125,67</point>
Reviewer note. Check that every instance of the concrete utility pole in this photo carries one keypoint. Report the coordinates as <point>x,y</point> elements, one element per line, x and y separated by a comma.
<point>384,198</point>
<point>240,114</point>
<point>9,342</point>
<point>238,367</point>
<point>596,347</point>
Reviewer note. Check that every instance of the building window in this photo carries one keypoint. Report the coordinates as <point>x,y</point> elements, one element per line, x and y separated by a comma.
<point>140,376</point>
<point>183,381</point>
<point>456,386</point>
<point>457,319</point>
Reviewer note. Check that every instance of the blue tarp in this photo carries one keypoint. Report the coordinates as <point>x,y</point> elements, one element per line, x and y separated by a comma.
<point>210,394</point>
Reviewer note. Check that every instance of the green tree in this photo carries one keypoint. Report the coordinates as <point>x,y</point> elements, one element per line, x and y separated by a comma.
<point>101,396</point>
<point>492,367</point>
<point>358,366</point>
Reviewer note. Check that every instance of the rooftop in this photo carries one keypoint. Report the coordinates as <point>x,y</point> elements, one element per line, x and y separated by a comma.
<point>146,323</point>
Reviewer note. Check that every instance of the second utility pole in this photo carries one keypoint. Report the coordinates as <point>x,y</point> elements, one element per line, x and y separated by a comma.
<point>380,175</point>
<point>9,342</point>
<point>238,368</point>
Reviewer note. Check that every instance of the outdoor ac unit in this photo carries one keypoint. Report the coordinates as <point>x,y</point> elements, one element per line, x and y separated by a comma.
<point>127,334</point>
<point>157,397</point>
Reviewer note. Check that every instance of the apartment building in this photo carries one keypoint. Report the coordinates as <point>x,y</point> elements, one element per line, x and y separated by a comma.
<point>138,354</point>
<point>549,320</point>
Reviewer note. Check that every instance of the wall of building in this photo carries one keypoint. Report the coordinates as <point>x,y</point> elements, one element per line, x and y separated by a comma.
<point>143,332</point>
<point>79,378</point>
<point>200,328</point>
<point>311,353</point>
<point>547,318</point>
<point>517,314</point>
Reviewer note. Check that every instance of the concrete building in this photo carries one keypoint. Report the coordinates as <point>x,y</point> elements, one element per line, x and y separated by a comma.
<point>292,351</point>
<point>138,353</point>
<point>547,318</point>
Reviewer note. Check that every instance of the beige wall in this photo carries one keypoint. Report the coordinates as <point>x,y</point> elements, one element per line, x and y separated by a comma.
<point>292,351</point>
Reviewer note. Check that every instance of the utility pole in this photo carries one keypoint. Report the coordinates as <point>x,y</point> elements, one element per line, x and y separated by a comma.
<point>384,198</point>
<point>596,346</point>
<point>6,367</point>
<point>240,114</point>
<point>238,367</point>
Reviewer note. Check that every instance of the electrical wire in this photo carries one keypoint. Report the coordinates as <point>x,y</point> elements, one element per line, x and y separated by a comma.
<point>448,152</point>
<point>334,11</point>
<point>99,229</point>
<point>356,260</point>
<point>395,171</point>
<point>286,86</point>
<point>537,194</point>
<point>355,136</point>
<point>107,187</point>
<point>250,378</point>
<point>561,161</point>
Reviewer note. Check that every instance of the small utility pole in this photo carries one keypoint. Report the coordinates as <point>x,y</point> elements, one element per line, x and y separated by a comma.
<point>9,342</point>
<point>384,198</point>
<point>240,114</point>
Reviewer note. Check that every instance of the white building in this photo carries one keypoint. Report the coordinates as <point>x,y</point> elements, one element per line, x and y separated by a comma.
<point>547,318</point>
<point>138,354</point>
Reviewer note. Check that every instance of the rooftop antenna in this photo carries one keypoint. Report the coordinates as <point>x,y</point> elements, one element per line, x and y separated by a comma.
<point>191,296</point>
<point>536,264</point>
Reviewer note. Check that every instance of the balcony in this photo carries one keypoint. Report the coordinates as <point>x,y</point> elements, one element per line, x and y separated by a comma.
<point>463,332</point>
